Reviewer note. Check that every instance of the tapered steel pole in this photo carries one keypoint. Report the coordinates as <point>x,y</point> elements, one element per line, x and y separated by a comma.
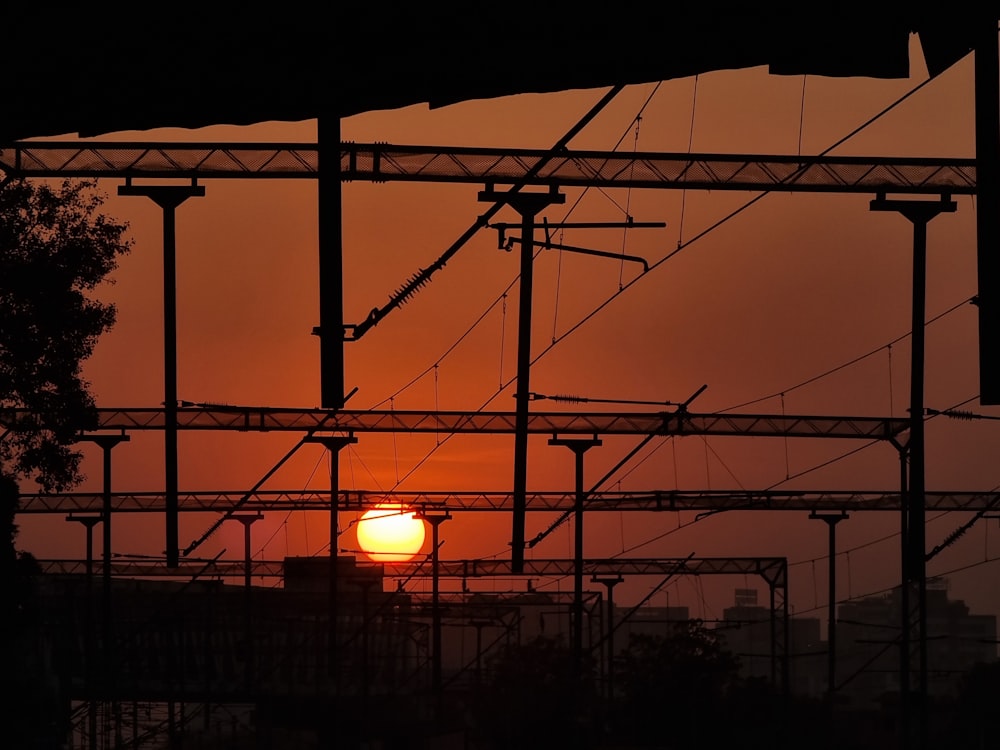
<point>528,205</point>
<point>88,660</point>
<point>437,683</point>
<point>609,637</point>
<point>919,213</point>
<point>987,78</point>
<point>331,265</point>
<point>831,519</point>
<point>334,444</point>
<point>168,198</point>
<point>579,446</point>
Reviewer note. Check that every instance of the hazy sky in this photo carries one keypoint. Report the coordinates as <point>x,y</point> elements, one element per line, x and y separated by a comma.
<point>795,287</point>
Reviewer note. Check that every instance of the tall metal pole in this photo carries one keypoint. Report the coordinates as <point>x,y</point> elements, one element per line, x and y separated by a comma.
<point>247,519</point>
<point>334,444</point>
<point>919,213</point>
<point>331,265</point>
<point>905,686</point>
<point>579,446</point>
<point>331,337</point>
<point>248,641</point>
<point>609,637</point>
<point>987,80</point>
<point>88,661</point>
<point>435,520</point>
<point>527,205</point>
<point>831,623</point>
<point>106,443</point>
<point>168,198</point>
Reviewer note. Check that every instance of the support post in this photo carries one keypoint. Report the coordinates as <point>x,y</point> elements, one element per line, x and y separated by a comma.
<point>905,686</point>
<point>247,519</point>
<point>334,444</point>
<point>987,84</point>
<point>919,213</point>
<point>435,520</point>
<point>331,265</point>
<point>168,198</point>
<point>777,583</point>
<point>579,446</point>
<point>528,205</point>
<point>88,660</point>
<point>609,636</point>
<point>831,519</point>
<point>106,443</point>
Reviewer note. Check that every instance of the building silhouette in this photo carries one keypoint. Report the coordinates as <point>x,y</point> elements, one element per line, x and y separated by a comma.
<point>868,651</point>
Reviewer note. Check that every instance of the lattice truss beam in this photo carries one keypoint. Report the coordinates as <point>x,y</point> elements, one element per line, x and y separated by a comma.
<point>359,500</point>
<point>262,419</point>
<point>384,162</point>
<point>774,570</point>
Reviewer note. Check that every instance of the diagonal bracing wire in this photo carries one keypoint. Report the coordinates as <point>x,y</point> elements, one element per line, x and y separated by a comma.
<point>423,276</point>
<point>680,247</point>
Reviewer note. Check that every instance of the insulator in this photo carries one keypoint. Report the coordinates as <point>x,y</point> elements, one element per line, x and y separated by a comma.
<point>960,414</point>
<point>571,399</point>
<point>417,281</point>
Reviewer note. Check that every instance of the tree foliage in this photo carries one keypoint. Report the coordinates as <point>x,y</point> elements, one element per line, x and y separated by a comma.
<point>536,698</point>
<point>674,687</point>
<point>56,247</point>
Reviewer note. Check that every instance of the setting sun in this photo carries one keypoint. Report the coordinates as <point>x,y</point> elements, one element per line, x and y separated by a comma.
<point>390,533</point>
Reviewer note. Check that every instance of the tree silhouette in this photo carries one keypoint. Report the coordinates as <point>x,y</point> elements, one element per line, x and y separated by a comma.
<point>674,687</point>
<point>55,249</point>
<point>536,698</point>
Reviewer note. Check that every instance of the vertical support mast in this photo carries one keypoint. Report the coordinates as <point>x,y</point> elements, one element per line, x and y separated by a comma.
<point>987,76</point>
<point>579,446</point>
<point>333,444</point>
<point>331,265</point>
<point>168,198</point>
<point>528,205</point>
<point>919,213</point>
<point>831,519</point>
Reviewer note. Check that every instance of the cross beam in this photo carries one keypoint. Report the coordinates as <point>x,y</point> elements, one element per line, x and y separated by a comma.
<point>649,500</point>
<point>265,419</point>
<point>385,162</point>
<point>773,569</point>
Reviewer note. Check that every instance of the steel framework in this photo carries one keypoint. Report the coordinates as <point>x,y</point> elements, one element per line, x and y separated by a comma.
<point>772,569</point>
<point>650,500</point>
<point>264,419</point>
<point>385,163</point>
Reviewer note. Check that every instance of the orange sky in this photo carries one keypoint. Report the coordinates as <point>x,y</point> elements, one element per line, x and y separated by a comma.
<point>793,288</point>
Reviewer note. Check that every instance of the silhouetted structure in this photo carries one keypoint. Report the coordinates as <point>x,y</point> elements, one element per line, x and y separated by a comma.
<point>746,631</point>
<point>957,640</point>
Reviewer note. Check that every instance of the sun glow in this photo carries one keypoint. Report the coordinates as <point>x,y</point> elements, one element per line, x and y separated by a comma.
<point>390,533</point>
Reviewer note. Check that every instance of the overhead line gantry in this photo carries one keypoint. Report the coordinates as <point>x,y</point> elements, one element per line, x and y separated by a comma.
<point>649,500</point>
<point>406,163</point>
<point>772,568</point>
<point>268,419</point>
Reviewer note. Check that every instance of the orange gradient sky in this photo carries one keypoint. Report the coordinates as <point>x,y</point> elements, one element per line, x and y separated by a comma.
<point>794,287</point>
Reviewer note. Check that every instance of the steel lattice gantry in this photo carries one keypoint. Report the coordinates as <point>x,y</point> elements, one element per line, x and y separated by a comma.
<point>359,500</point>
<point>264,419</point>
<point>382,162</point>
<point>773,569</point>
<point>386,163</point>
